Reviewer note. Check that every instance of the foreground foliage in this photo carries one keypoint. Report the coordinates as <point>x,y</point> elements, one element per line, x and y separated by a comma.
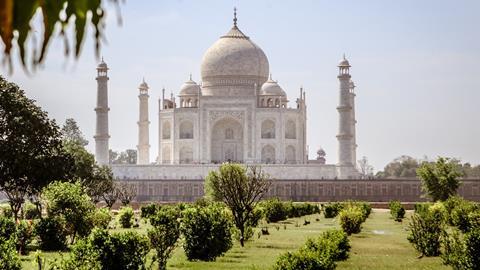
<point>207,232</point>
<point>165,233</point>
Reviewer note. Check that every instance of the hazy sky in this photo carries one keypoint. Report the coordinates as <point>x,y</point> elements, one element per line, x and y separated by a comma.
<point>415,63</point>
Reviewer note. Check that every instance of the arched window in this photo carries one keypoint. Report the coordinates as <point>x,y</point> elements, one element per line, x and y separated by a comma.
<point>186,130</point>
<point>262,103</point>
<point>277,103</point>
<point>189,103</point>
<point>166,130</point>
<point>268,154</point>
<point>290,130</point>
<point>186,155</point>
<point>268,129</point>
<point>269,102</point>
<point>290,155</point>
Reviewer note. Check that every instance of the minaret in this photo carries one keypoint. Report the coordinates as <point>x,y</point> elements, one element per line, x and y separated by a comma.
<point>101,134</point>
<point>354,123</point>
<point>143,147</point>
<point>346,139</point>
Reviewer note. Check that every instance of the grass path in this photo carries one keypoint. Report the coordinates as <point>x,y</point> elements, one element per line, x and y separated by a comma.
<point>382,244</point>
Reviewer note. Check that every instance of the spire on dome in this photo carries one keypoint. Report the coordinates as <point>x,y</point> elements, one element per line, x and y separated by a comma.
<point>190,76</point>
<point>235,16</point>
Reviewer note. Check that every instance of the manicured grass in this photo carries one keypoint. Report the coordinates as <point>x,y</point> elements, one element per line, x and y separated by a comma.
<point>382,244</point>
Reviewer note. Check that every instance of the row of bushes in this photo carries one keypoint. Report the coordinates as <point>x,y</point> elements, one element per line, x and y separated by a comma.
<point>274,210</point>
<point>450,229</point>
<point>317,254</point>
<point>207,234</point>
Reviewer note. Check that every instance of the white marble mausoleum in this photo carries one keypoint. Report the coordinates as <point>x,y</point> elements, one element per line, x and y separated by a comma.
<point>236,113</point>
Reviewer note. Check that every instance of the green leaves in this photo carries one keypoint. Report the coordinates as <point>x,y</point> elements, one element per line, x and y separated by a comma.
<point>440,179</point>
<point>16,17</point>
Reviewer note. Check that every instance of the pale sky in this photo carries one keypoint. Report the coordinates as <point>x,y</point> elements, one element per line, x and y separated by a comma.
<point>415,64</point>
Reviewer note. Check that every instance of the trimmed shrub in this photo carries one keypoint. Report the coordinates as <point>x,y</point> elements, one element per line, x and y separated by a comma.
<point>9,259</point>
<point>303,260</point>
<point>462,252</point>
<point>125,217</point>
<point>101,250</point>
<point>422,208</point>
<point>331,210</point>
<point>30,211</point>
<point>52,234</point>
<point>332,243</point>
<point>146,211</point>
<point>426,231</point>
<point>207,232</point>
<point>101,218</point>
<point>396,210</point>
<point>351,219</point>
<point>274,210</point>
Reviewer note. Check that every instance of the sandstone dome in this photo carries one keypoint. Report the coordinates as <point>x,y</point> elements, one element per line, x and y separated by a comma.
<point>233,62</point>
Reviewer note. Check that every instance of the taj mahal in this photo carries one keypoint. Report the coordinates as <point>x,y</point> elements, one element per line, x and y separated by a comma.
<point>237,113</point>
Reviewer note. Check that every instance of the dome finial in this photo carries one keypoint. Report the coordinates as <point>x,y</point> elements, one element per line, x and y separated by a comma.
<point>271,77</point>
<point>190,76</point>
<point>235,16</point>
<point>344,57</point>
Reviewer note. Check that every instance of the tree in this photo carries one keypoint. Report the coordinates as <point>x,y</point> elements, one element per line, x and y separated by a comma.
<point>16,19</point>
<point>365,168</point>
<point>128,156</point>
<point>440,179</point>
<point>240,188</point>
<point>126,192</point>
<point>96,179</point>
<point>404,166</point>
<point>165,233</point>
<point>71,132</point>
<point>70,202</point>
<point>31,153</point>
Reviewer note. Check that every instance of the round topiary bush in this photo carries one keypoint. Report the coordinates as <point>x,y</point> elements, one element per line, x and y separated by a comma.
<point>351,219</point>
<point>303,260</point>
<point>207,232</point>
<point>101,218</point>
<point>274,210</point>
<point>125,217</point>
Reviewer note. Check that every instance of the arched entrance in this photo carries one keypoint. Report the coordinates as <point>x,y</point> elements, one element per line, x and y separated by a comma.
<point>227,141</point>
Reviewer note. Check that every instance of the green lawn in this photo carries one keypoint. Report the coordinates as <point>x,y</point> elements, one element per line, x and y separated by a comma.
<point>382,244</point>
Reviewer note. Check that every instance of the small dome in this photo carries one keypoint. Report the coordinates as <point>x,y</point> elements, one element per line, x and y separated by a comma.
<point>102,65</point>
<point>189,88</point>
<point>344,62</point>
<point>271,88</point>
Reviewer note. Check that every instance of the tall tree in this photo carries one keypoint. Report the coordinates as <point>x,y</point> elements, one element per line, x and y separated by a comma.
<point>71,132</point>
<point>365,168</point>
<point>31,153</point>
<point>404,166</point>
<point>440,179</point>
<point>96,179</point>
<point>240,188</point>
<point>16,17</point>
<point>128,156</point>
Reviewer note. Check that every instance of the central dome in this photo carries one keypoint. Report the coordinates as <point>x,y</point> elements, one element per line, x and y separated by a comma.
<point>233,65</point>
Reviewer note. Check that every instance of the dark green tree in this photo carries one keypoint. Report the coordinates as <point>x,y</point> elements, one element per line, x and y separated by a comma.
<point>71,132</point>
<point>240,188</point>
<point>439,179</point>
<point>404,166</point>
<point>128,156</point>
<point>31,152</point>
